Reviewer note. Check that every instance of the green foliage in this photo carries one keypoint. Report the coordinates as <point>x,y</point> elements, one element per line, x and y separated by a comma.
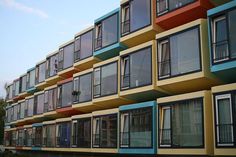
<point>2,117</point>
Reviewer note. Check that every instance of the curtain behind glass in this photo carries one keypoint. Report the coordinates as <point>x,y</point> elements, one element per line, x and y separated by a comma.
<point>187,124</point>
<point>110,30</point>
<point>140,68</point>
<point>141,127</point>
<point>185,51</point>
<point>140,14</point>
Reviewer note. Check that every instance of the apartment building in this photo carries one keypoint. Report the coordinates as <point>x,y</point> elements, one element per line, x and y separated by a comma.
<point>152,77</point>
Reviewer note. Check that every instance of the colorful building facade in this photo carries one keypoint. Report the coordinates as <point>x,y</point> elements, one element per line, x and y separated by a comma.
<point>153,78</point>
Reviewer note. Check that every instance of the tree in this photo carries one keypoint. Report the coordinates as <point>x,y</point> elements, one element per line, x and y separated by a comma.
<point>2,117</point>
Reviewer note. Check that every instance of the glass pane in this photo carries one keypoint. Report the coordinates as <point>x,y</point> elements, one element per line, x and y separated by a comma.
<point>232,30</point>
<point>64,135</point>
<point>225,126</point>
<point>166,127</point>
<point>23,83</point>
<point>53,65</point>
<point>32,78</point>
<point>22,110</point>
<point>97,82</point>
<point>141,127</point>
<point>187,124</point>
<point>140,68</point>
<point>96,131</point>
<point>42,72</point>
<point>68,56</point>
<point>30,107</point>
<point>139,14</point>
<point>110,30</point>
<point>40,103</point>
<point>162,6</point>
<point>84,133</point>
<point>109,79</point>
<point>174,4</point>
<point>125,72</point>
<point>86,45</point>
<point>164,59</point>
<point>184,48</point>
<point>17,88</point>
<point>124,129</point>
<point>108,137</point>
<point>66,94</point>
<point>85,88</point>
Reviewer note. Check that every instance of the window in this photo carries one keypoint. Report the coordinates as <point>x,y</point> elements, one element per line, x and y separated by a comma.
<point>31,79</point>
<point>165,6</point>
<point>14,138</point>
<point>223,42</point>
<point>220,42</point>
<point>180,54</point>
<point>224,120</point>
<point>63,134</point>
<point>74,133</point>
<point>49,135</point>
<point>66,57</point>
<point>23,81</point>
<point>28,137</point>
<point>21,134</point>
<point>135,15</point>
<point>106,32</point>
<point>50,100</point>
<point>181,124</point>
<point>18,111</point>
<point>84,133</point>
<point>65,95</point>
<point>84,46</point>
<point>136,128</point>
<point>10,91</point>
<point>41,72</point>
<point>17,87</point>
<point>7,138</point>
<point>136,69</point>
<point>165,136</point>
<point>52,65</point>
<point>105,131</point>
<point>30,107</point>
<point>164,59</point>
<point>105,80</point>
<point>22,110</point>
<point>15,113</point>
<point>83,88</point>
<point>39,103</point>
<point>37,136</point>
<point>125,19</point>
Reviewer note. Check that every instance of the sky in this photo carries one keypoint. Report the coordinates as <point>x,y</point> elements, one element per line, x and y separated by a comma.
<point>31,29</point>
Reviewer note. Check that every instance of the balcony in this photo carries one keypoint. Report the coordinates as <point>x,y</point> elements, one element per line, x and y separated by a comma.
<point>30,85</point>
<point>29,109</point>
<point>82,91</point>
<point>49,135</point>
<point>9,94</point>
<point>224,115</point>
<point>83,50</point>
<point>191,135</point>
<point>66,60</point>
<point>139,138</point>
<point>138,22</point>
<point>38,106</point>
<point>40,73</point>
<point>37,135</point>
<point>105,139</point>
<point>171,14</point>
<point>16,90</point>
<point>138,70</point>
<point>106,84</point>
<point>63,133</point>
<point>107,40</point>
<point>182,66</point>
<point>52,68</point>
<point>222,41</point>
<point>23,86</point>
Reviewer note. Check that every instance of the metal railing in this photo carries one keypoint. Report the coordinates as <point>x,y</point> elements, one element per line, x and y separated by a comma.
<point>125,25</point>
<point>165,136</point>
<point>220,50</point>
<point>98,43</point>
<point>225,133</point>
<point>164,68</point>
<point>125,81</point>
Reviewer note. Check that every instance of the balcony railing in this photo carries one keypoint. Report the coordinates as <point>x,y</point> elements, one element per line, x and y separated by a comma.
<point>164,69</point>
<point>124,139</point>
<point>221,51</point>
<point>98,43</point>
<point>165,137</point>
<point>125,81</point>
<point>125,27</point>
<point>96,140</point>
<point>225,133</point>
<point>76,56</point>
<point>74,141</point>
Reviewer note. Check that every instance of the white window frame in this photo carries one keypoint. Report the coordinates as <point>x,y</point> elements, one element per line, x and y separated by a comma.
<point>219,97</point>
<point>158,8</point>
<point>127,6</point>
<point>96,121</point>
<point>124,60</point>
<point>122,118</point>
<point>96,70</point>
<point>72,133</point>
<point>162,123</point>
<point>215,20</point>
<point>160,53</point>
